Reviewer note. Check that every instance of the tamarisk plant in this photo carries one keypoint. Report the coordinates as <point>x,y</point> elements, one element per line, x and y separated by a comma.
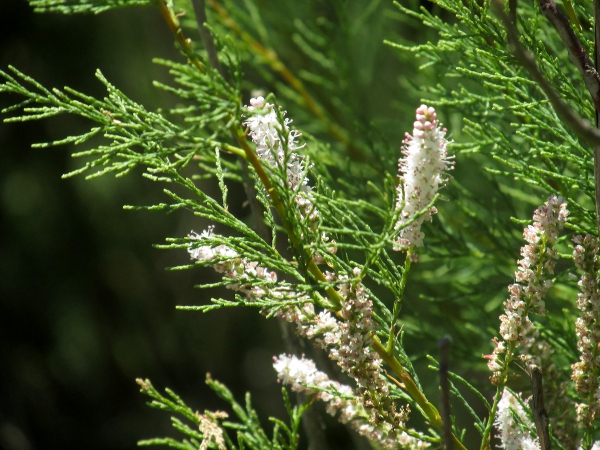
<point>333,257</point>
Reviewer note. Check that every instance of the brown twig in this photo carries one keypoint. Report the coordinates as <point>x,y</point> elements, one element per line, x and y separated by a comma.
<point>589,72</point>
<point>184,43</point>
<point>540,416</point>
<point>512,11</point>
<point>577,53</point>
<point>581,126</point>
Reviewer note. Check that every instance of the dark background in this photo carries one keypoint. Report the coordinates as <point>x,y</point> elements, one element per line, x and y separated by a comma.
<point>86,305</point>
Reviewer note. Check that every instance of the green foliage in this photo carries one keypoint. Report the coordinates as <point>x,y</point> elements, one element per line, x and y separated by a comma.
<point>136,136</point>
<point>512,152</point>
<point>506,115</point>
<point>247,432</point>
<point>83,6</point>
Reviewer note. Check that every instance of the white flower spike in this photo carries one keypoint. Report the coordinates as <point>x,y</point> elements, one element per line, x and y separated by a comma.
<point>422,174</point>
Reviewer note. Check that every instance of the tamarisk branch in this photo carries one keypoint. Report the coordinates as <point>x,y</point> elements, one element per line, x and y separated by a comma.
<point>581,126</point>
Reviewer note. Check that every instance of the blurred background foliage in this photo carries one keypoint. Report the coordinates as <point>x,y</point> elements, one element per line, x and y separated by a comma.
<point>86,305</point>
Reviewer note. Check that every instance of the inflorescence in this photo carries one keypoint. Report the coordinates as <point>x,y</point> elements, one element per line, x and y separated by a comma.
<point>422,173</point>
<point>532,281</point>
<point>586,372</point>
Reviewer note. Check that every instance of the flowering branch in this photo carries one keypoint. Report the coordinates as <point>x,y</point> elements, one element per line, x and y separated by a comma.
<point>303,376</point>
<point>526,296</point>
<point>428,139</point>
<point>315,433</point>
<point>332,299</point>
<point>351,336</point>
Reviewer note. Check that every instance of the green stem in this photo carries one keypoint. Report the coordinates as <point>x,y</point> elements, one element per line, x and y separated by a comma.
<point>488,428</point>
<point>413,390</point>
<point>230,148</point>
<point>499,389</point>
<point>398,305</point>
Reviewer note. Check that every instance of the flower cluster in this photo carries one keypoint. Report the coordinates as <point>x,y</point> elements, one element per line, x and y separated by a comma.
<point>422,168</point>
<point>211,431</point>
<point>257,282</point>
<point>348,338</point>
<point>586,372</point>
<point>276,144</point>
<point>347,334</point>
<point>353,351</point>
<point>248,277</point>
<point>302,376</point>
<point>532,280</point>
<point>512,423</point>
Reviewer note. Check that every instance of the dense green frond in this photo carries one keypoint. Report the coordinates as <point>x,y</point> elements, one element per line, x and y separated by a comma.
<point>84,6</point>
<point>136,136</point>
<point>247,428</point>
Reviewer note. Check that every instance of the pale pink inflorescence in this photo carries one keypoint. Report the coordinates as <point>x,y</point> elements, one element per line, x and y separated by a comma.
<point>268,134</point>
<point>247,277</point>
<point>532,281</point>
<point>422,173</point>
<point>586,372</point>
<point>350,346</point>
<point>354,336</point>
<point>348,338</point>
<point>512,423</point>
<point>302,375</point>
<point>257,282</point>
